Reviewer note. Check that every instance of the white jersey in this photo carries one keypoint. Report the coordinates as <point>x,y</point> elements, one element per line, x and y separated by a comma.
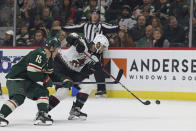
<point>71,54</point>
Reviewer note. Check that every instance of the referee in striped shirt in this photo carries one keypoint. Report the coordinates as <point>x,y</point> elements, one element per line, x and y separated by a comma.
<point>90,30</point>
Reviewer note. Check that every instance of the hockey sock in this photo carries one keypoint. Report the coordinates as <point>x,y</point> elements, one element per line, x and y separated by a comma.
<point>42,104</point>
<point>8,107</point>
<point>53,102</point>
<point>81,99</point>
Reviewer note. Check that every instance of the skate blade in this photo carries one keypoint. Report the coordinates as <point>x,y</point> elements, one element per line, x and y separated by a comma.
<point>101,96</point>
<point>40,123</point>
<point>3,124</point>
<point>81,118</point>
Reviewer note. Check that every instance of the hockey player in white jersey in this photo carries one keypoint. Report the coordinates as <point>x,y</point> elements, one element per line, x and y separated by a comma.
<point>77,67</point>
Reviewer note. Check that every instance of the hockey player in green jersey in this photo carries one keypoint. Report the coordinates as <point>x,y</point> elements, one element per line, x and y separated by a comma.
<point>22,80</point>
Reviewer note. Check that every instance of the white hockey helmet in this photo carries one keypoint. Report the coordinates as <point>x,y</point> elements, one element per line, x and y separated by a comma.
<point>104,43</point>
<point>74,35</point>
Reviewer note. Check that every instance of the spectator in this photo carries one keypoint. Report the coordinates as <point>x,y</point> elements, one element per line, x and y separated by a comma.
<point>126,18</point>
<point>156,23</point>
<point>27,12</point>
<point>70,21</point>
<point>62,37</point>
<point>146,13</point>
<point>113,11</point>
<point>123,40</point>
<point>158,38</point>
<point>7,14</point>
<point>146,41</point>
<point>37,25</point>
<point>54,9</point>
<point>23,38</point>
<point>78,5</point>
<point>55,30</point>
<point>147,5</point>
<point>138,31</point>
<point>106,3</point>
<point>174,33</point>
<point>163,11</point>
<point>38,39</point>
<point>67,12</point>
<point>93,4</point>
<point>179,9</point>
<point>8,41</point>
<point>47,18</point>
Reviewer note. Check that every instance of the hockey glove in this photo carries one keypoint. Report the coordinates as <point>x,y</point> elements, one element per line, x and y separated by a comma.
<point>77,63</point>
<point>76,42</point>
<point>47,82</point>
<point>71,40</point>
<point>80,46</point>
<point>67,83</point>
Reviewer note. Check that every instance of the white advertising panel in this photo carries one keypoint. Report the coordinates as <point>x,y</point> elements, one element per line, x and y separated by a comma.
<point>144,70</point>
<point>156,70</point>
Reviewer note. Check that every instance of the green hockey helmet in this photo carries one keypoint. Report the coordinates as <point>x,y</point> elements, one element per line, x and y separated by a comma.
<point>52,42</point>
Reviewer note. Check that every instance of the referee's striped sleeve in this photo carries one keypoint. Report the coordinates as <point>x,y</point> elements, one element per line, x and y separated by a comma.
<point>74,28</point>
<point>108,28</point>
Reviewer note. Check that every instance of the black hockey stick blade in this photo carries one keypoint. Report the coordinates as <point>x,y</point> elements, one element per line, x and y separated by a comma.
<point>120,73</point>
<point>146,102</point>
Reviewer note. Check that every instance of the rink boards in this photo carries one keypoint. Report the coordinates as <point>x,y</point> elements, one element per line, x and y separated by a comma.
<point>149,73</point>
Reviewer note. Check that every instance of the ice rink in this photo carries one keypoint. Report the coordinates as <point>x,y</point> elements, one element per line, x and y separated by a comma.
<point>109,114</point>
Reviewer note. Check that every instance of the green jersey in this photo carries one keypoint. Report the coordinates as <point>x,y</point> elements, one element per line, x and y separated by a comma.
<point>34,66</point>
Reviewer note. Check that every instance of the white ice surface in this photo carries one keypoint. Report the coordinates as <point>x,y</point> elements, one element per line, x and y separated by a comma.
<point>109,114</point>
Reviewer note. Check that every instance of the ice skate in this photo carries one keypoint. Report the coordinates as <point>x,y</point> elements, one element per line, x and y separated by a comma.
<point>3,121</point>
<point>49,116</point>
<point>75,114</point>
<point>100,94</point>
<point>43,119</point>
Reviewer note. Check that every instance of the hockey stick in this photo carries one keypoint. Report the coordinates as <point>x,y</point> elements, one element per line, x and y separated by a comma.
<point>147,102</point>
<point>117,79</point>
<point>77,83</point>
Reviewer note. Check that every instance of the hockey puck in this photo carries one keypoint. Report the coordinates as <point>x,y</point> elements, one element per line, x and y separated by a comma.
<point>157,102</point>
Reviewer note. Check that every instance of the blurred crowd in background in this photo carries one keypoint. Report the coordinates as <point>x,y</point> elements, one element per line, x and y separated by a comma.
<point>149,23</point>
